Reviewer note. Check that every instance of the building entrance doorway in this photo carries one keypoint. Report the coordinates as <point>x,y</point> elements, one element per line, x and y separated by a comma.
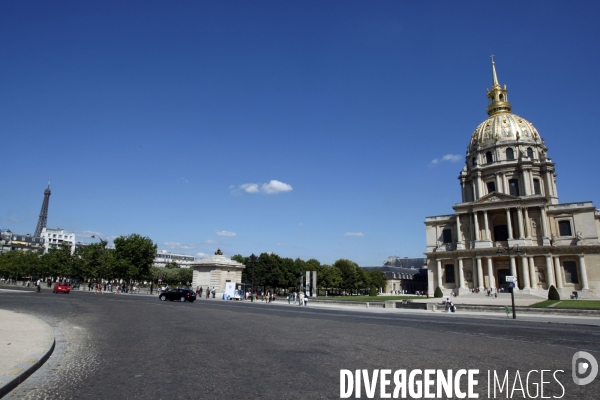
<point>501,233</point>
<point>502,274</point>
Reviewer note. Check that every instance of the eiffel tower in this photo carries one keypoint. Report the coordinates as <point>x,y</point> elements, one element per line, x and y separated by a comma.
<point>43,213</point>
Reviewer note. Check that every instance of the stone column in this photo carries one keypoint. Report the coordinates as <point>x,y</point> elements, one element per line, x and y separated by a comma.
<point>513,266</point>
<point>439,274</point>
<point>525,272</point>
<point>458,230</point>
<point>479,274</point>
<point>558,273</point>
<point>478,180</point>
<point>490,273</point>
<point>526,183</point>
<point>532,274</point>
<point>509,224</point>
<point>464,193</point>
<point>505,188</point>
<point>461,273</point>
<point>549,182</point>
<point>486,225</point>
<point>498,180</point>
<point>583,273</point>
<point>520,221</point>
<point>314,284</point>
<point>544,224</point>
<point>476,222</point>
<point>527,223</point>
<point>308,283</point>
<point>550,271</point>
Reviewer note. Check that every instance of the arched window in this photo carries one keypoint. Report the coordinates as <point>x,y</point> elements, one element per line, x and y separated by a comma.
<point>488,157</point>
<point>530,152</point>
<point>474,161</point>
<point>510,154</point>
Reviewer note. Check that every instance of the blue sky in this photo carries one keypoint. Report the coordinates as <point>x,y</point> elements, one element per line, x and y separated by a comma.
<point>308,129</point>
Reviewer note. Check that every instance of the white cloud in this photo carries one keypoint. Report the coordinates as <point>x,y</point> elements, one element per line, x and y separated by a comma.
<point>226,233</point>
<point>201,255</point>
<point>250,187</point>
<point>210,241</point>
<point>182,180</point>
<point>276,187</point>
<point>356,234</point>
<point>452,157</point>
<point>300,223</point>
<point>281,244</point>
<point>179,246</point>
<point>273,187</point>
<point>447,157</point>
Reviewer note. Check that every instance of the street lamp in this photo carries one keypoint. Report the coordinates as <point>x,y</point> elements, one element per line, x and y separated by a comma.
<point>512,289</point>
<point>103,243</point>
<point>252,260</point>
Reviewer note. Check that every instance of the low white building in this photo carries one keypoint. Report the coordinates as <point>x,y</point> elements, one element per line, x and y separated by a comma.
<point>54,237</point>
<point>164,257</point>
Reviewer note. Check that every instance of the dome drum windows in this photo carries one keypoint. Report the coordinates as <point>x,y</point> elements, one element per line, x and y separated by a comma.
<point>488,157</point>
<point>537,187</point>
<point>564,228</point>
<point>513,186</point>
<point>510,154</point>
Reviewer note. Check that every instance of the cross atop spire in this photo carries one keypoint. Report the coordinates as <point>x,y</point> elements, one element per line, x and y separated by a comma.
<point>494,75</point>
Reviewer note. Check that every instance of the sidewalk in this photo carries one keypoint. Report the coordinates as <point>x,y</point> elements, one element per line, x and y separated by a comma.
<point>442,315</point>
<point>26,343</point>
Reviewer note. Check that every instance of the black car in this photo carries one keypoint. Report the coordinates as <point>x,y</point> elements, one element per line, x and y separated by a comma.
<point>178,294</point>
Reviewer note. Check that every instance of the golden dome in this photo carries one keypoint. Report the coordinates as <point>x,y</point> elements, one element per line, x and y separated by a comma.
<point>503,126</point>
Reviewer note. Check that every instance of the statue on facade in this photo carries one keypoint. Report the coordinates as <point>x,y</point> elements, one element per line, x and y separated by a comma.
<point>541,276</point>
<point>218,252</point>
<point>533,228</point>
<point>468,275</point>
<point>579,237</point>
<point>553,239</point>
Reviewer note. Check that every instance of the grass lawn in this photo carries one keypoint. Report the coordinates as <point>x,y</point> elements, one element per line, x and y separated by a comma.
<point>573,304</point>
<point>370,298</point>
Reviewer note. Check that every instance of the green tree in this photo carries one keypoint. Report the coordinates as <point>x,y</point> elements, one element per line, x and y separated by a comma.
<point>553,293</point>
<point>351,275</point>
<point>438,292</point>
<point>134,256</point>
<point>377,279</point>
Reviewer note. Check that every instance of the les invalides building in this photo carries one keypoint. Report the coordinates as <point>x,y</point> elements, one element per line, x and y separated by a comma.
<point>509,221</point>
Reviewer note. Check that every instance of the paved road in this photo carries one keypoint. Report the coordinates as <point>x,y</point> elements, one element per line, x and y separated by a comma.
<point>136,347</point>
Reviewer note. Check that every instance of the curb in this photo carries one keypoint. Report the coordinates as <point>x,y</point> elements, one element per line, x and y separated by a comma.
<point>23,370</point>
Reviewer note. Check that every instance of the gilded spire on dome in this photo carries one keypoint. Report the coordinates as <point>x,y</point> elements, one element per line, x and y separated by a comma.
<point>497,97</point>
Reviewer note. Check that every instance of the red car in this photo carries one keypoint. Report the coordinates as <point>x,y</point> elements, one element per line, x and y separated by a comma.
<point>62,287</point>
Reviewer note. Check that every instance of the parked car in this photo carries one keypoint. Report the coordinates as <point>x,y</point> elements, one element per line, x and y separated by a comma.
<point>62,287</point>
<point>178,294</point>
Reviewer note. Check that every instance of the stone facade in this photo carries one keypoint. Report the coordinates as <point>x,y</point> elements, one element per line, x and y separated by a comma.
<point>510,201</point>
<point>215,272</point>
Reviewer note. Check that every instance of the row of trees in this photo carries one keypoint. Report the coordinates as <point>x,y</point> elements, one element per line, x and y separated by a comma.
<point>131,259</point>
<point>270,271</point>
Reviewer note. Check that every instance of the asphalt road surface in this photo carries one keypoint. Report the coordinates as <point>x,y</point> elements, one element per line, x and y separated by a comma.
<point>137,347</point>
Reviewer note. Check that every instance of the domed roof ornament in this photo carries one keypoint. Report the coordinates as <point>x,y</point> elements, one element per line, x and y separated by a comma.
<point>497,97</point>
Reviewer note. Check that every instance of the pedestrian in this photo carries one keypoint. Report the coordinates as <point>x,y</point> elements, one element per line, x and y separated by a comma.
<point>200,292</point>
<point>267,298</point>
<point>214,292</point>
<point>38,286</point>
<point>305,300</point>
<point>288,298</point>
<point>151,287</point>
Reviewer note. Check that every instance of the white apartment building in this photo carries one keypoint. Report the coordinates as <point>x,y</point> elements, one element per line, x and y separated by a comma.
<point>54,237</point>
<point>164,257</point>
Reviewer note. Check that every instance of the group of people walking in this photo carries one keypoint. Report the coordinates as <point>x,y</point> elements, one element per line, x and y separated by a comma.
<point>209,291</point>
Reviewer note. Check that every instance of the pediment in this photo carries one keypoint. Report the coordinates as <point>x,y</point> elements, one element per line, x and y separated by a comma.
<point>495,197</point>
